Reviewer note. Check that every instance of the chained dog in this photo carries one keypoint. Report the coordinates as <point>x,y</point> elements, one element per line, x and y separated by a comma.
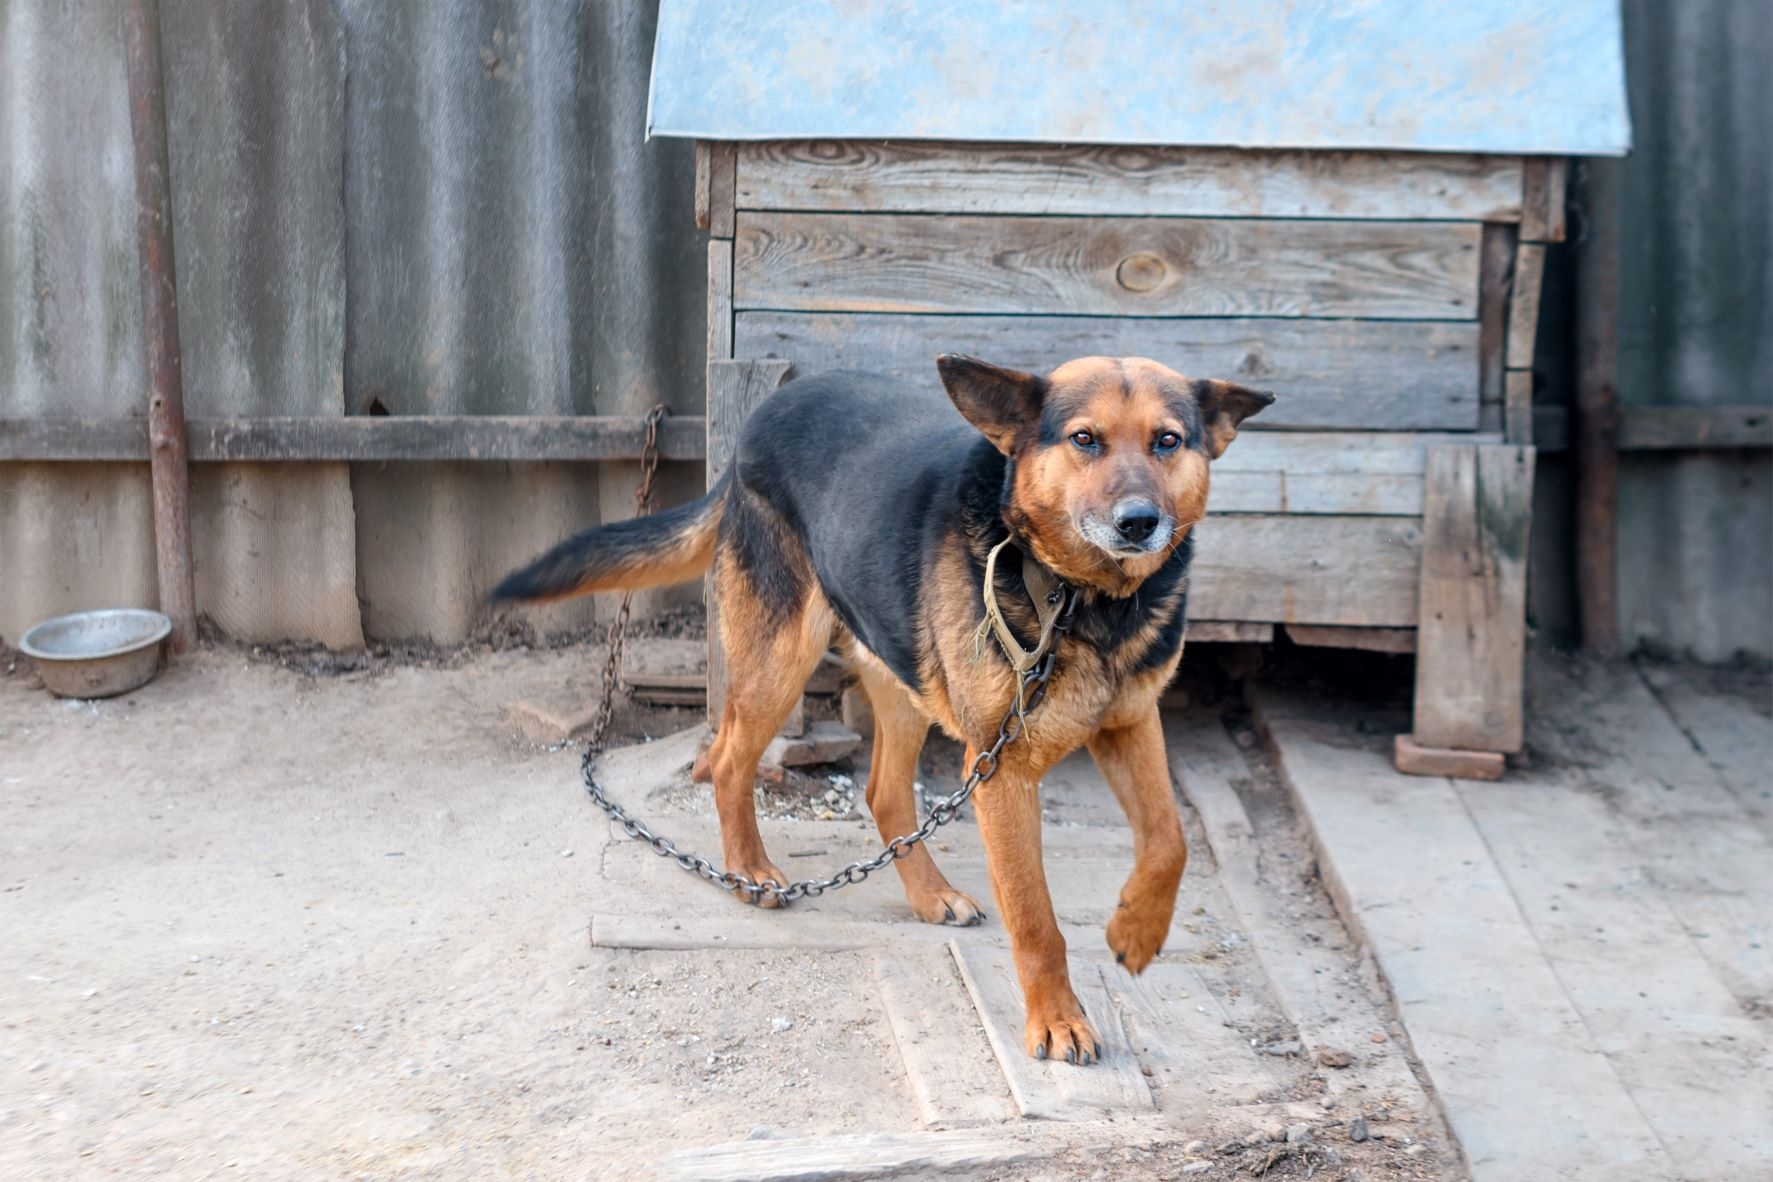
<point>866,512</point>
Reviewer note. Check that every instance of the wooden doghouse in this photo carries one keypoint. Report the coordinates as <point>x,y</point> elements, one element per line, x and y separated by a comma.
<point>1388,295</point>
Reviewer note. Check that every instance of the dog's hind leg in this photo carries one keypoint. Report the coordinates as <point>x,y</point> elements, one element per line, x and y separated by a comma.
<point>899,731</point>
<point>770,655</point>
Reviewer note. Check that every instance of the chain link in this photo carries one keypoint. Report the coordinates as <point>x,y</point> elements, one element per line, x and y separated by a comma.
<point>1031,690</point>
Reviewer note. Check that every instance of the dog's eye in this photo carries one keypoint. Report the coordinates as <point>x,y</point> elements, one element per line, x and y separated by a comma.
<point>1169,441</point>
<point>1083,439</point>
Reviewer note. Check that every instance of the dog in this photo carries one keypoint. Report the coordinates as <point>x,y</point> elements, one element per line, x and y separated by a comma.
<point>861,510</point>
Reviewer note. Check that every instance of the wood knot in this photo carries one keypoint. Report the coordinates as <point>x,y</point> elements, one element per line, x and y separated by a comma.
<point>1140,272</point>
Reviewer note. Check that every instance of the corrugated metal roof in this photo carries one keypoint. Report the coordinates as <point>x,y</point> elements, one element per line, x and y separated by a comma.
<point>1506,76</point>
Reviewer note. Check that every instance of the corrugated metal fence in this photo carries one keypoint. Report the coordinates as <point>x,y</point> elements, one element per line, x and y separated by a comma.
<point>1696,322</point>
<point>399,206</point>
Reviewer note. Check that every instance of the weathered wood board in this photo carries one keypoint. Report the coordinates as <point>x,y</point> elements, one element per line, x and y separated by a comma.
<point>1496,268</point>
<point>1517,407</point>
<point>1228,632</point>
<point>1543,193</point>
<point>1357,473</point>
<point>1053,179</point>
<point>1353,571</point>
<point>1471,640</point>
<point>1372,640</point>
<point>1179,1029</point>
<point>720,299</point>
<point>734,390</point>
<point>1106,266</point>
<point>1360,374</point>
<point>1054,1090</point>
<point>954,1077</point>
<point>1523,305</point>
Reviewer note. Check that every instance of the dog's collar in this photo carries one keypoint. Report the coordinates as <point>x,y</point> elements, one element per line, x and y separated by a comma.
<point>1045,590</point>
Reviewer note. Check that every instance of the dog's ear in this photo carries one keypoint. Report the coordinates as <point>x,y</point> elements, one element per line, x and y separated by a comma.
<point>1002,403</point>
<point>1223,405</point>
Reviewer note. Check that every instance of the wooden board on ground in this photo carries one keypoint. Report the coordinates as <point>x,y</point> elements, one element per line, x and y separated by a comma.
<point>1699,1068</point>
<point>1333,374</point>
<point>1179,1030</point>
<point>1471,639</point>
<point>1729,734</point>
<point>1487,1016</point>
<point>1694,837</point>
<point>846,1156</point>
<point>1054,1090</point>
<point>953,1075</point>
<point>1054,179</point>
<point>1305,974</point>
<point>1353,571</point>
<point>1106,267</point>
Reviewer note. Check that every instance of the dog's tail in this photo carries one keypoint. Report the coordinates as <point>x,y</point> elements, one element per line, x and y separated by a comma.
<point>655,551</point>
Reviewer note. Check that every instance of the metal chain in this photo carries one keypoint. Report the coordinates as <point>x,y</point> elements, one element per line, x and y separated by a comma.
<point>1029,694</point>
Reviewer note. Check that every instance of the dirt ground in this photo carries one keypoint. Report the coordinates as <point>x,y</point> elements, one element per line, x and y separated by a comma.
<point>279,917</point>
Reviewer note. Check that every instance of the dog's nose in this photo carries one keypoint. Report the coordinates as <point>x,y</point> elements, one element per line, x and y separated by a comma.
<point>1136,520</point>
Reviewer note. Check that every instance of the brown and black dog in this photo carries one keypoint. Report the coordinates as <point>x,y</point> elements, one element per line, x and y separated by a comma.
<point>861,510</point>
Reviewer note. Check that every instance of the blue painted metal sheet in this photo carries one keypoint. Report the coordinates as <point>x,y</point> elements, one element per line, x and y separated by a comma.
<point>1504,76</point>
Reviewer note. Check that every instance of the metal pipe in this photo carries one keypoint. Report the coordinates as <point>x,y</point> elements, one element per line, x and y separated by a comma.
<point>160,321</point>
<point>1597,409</point>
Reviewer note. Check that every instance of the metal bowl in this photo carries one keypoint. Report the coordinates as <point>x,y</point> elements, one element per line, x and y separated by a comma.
<point>97,654</point>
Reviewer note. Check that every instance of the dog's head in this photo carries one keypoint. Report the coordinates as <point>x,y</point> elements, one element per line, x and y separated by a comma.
<point>1110,456</point>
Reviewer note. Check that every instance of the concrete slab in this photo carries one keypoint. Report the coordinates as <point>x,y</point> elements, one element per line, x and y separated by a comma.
<point>1486,1014</point>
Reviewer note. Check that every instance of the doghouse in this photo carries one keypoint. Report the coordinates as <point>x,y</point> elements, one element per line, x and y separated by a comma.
<point>1338,202</point>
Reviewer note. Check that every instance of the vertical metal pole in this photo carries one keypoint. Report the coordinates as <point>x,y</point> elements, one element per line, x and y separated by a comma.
<point>1597,409</point>
<point>160,320</point>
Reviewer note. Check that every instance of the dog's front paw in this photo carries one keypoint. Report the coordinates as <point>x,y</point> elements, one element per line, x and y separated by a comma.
<point>760,873</point>
<point>1136,933</point>
<point>1058,1029</point>
<point>949,906</point>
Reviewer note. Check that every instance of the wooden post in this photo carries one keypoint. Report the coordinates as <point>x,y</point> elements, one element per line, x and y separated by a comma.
<point>734,390</point>
<point>160,321</point>
<point>1596,438</point>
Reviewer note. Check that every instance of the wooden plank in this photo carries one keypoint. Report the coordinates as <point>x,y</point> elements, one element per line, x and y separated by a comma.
<point>1366,473</point>
<point>1054,1090</point>
<point>835,175</point>
<point>720,299</point>
<point>953,1076</point>
<point>1496,269</point>
<point>1542,199</point>
<point>1523,304</point>
<point>1693,838</point>
<point>1491,1025</point>
<point>1106,266</point>
<point>1472,636</point>
<point>1725,729</point>
<point>734,390</point>
<point>1372,640</point>
<point>1362,374</point>
<point>1229,632</point>
<point>850,1157</point>
<point>1666,1023</point>
<point>1179,1029</point>
<point>1353,571</point>
<point>704,174</point>
<point>721,159</point>
<point>1308,977</point>
<point>1681,428</point>
<point>1517,407</point>
<point>490,438</point>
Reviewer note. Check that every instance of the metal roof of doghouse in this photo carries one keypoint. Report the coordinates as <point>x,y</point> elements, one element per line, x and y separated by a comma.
<point>1494,76</point>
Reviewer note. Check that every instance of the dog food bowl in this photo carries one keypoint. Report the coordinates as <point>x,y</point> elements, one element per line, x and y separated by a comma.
<point>97,654</point>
